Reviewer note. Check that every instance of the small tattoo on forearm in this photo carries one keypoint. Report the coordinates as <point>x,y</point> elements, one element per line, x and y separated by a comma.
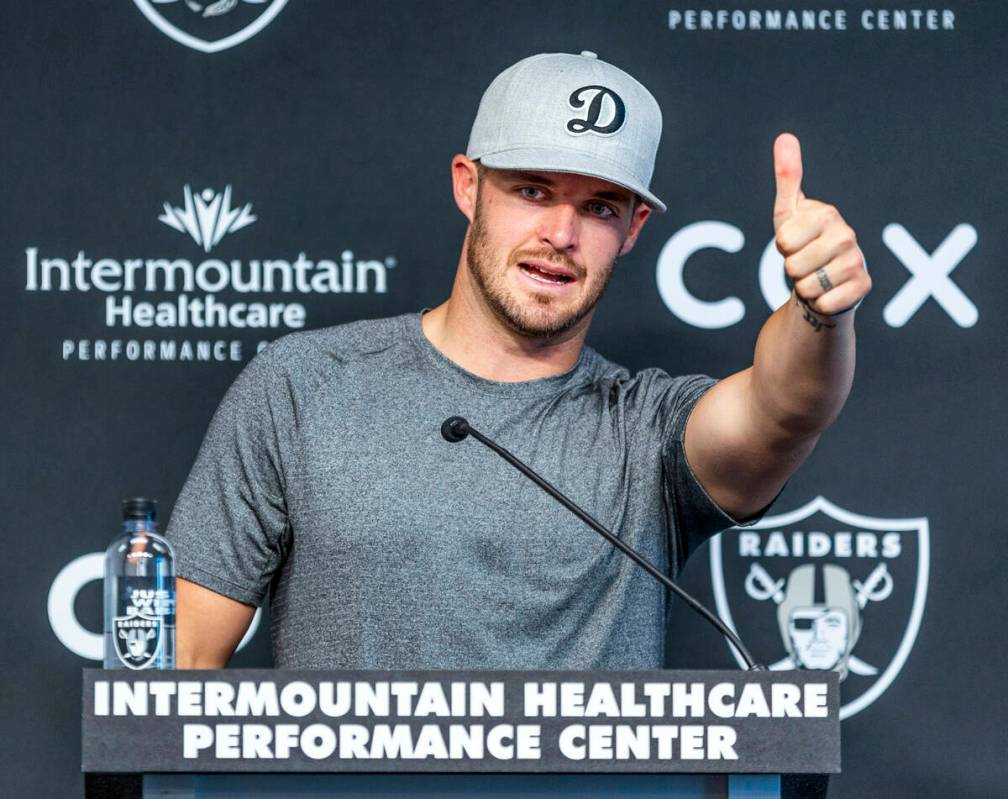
<point>810,315</point>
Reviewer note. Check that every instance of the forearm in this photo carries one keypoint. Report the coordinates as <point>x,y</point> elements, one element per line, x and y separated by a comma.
<point>746,436</point>
<point>803,368</point>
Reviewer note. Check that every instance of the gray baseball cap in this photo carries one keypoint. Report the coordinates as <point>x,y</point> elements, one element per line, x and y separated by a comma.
<point>558,112</point>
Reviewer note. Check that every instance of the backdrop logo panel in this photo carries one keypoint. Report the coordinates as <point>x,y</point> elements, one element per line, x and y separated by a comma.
<point>151,296</point>
<point>210,26</point>
<point>929,275</point>
<point>828,589</point>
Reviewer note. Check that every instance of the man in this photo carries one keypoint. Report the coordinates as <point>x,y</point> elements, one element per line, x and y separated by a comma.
<point>324,480</point>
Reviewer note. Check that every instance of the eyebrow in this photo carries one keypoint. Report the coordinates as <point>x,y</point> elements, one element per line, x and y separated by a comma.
<point>538,177</point>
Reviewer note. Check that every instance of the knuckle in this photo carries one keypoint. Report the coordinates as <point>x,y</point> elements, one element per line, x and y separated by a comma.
<point>783,243</point>
<point>791,268</point>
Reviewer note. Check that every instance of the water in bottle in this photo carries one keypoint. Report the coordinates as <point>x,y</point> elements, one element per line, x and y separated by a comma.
<point>139,593</point>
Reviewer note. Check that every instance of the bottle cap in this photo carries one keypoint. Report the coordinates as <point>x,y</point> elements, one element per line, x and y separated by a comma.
<point>139,508</point>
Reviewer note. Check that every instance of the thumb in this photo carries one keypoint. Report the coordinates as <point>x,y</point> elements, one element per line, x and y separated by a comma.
<point>788,173</point>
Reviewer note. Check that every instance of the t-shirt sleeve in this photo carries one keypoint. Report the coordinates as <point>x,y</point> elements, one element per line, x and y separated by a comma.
<point>694,515</point>
<point>230,525</point>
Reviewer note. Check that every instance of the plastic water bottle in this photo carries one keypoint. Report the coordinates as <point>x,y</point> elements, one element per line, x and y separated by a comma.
<point>139,593</point>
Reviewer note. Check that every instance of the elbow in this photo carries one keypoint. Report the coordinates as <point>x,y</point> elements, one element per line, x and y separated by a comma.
<point>191,658</point>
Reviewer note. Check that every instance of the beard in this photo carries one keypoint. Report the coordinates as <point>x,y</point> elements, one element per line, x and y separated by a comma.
<point>542,316</point>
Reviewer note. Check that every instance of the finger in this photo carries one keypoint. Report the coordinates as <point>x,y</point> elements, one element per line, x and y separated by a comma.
<point>821,250</point>
<point>839,299</point>
<point>808,222</point>
<point>788,174</point>
<point>846,282</point>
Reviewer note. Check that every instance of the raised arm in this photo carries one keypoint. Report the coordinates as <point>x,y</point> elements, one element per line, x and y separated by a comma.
<point>751,431</point>
<point>208,626</point>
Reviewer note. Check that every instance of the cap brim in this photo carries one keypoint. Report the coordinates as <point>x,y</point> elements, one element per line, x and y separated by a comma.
<point>577,163</point>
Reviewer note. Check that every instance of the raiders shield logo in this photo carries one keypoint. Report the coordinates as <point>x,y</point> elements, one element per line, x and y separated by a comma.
<point>137,639</point>
<point>825,588</point>
<point>210,25</point>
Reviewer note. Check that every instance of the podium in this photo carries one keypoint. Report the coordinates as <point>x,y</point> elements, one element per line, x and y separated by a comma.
<point>260,733</point>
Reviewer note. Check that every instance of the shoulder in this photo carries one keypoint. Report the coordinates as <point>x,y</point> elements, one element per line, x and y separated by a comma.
<point>650,399</point>
<point>293,366</point>
<point>652,385</point>
<point>343,342</point>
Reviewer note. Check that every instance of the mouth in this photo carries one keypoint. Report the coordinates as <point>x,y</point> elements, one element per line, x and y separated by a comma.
<point>546,274</point>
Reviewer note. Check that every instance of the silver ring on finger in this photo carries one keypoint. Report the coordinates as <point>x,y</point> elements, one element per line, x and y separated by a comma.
<point>824,280</point>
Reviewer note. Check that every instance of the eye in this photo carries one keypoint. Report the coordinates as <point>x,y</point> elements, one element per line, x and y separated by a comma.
<point>531,192</point>
<point>602,210</point>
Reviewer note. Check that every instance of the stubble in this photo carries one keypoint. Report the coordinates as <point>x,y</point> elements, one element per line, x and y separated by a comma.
<point>539,316</point>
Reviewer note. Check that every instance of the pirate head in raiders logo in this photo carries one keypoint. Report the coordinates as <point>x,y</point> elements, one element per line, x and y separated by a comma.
<point>820,633</point>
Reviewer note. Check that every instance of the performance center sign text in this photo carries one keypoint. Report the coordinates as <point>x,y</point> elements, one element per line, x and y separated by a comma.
<point>259,720</point>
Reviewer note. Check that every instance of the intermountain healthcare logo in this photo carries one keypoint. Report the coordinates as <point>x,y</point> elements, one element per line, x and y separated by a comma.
<point>210,26</point>
<point>827,589</point>
<point>204,297</point>
<point>207,216</point>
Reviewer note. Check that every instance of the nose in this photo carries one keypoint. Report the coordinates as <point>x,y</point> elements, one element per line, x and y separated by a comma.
<point>558,227</point>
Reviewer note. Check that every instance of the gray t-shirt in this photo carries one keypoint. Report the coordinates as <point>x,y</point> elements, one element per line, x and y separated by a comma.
<point>324,480</point>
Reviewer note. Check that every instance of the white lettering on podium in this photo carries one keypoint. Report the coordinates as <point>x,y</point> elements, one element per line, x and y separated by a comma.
<point>162,691</point>
<point>318,741</point>
<point>195,737</point>
<point>635,742</point>
<point>815,700</point>
<point>297,698</point>
<point>101,698</point>
<point>257,699</point>
<point>129,699</point>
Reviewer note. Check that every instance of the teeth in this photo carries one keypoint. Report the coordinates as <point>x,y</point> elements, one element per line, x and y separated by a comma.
<point>535,275</point>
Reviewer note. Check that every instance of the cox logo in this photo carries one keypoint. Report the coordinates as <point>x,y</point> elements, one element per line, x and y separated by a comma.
<point>929,275</point>
<point>63,620</point>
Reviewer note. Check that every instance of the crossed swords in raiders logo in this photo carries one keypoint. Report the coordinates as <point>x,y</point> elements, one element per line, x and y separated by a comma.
<point>820,635</point>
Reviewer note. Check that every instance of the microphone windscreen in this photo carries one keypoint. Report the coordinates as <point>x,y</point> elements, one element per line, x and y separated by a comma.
<point>454,429</point>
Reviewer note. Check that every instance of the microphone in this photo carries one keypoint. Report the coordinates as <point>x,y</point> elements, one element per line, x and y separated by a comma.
<point>455,428</point>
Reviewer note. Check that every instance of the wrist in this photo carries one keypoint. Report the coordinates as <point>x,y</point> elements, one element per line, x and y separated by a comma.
<point>808,306</point>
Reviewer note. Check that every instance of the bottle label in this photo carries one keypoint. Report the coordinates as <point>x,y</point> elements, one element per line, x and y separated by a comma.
<point>139,634</point>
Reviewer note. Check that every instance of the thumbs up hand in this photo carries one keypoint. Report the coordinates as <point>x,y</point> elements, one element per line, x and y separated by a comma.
<point>820,249</point>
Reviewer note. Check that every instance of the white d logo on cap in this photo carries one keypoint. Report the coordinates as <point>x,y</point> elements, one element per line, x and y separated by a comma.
<point>606,111</point>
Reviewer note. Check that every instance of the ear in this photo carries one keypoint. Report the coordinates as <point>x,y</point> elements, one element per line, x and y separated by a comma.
<point>465,179</point>
<point>636,224</point>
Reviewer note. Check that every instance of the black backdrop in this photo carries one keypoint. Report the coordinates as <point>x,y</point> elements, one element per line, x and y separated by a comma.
<point>336,123</point>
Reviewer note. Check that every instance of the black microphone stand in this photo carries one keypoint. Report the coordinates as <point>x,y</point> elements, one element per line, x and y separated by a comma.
<point>455,429</point>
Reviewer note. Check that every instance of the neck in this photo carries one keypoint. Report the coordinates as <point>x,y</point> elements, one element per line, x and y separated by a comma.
<point>468,332</point>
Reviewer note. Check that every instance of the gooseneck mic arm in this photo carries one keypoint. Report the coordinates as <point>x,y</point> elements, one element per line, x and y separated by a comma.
<point>455,428</point>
